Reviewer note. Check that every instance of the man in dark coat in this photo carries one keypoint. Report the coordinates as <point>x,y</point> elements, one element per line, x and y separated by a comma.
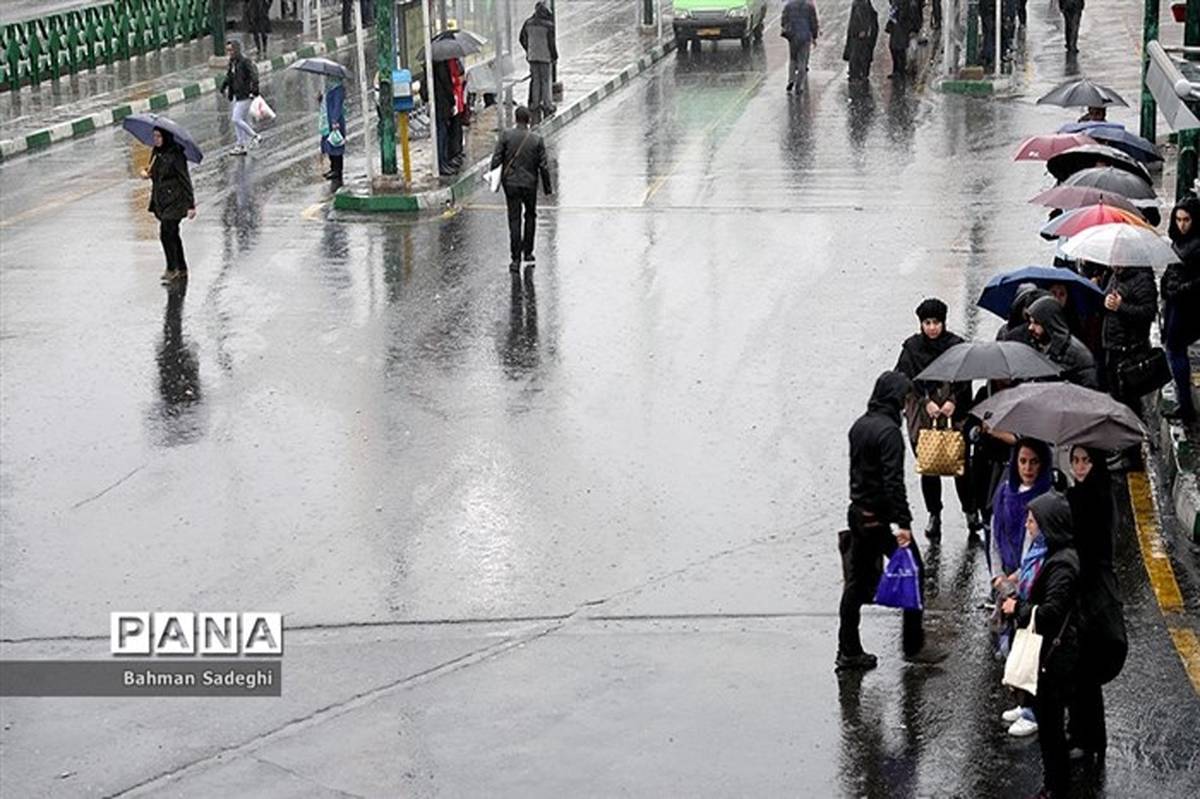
<point>522,154</point>
<point>1072,11</point>
<point>798,24</point>
<point>258,23</point>
<point>1052,336</point>
<point>1055,594</point>
<point>541,51</point>
<point>1130,305</point>
<point>1180,291</point>
<point>877,501</point>
<point>861,35</point>
<point>930,403</point>
<point>904,20</point>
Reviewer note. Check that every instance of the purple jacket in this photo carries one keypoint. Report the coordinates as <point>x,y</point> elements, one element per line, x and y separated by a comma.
<point>1009,508</point>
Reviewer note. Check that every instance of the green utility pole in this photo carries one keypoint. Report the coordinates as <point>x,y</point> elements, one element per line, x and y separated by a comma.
<point>973,58</point>
<point>385,49</point>
<point>1185,172</point>
<point>1149,128</point>
<point>216,24</point>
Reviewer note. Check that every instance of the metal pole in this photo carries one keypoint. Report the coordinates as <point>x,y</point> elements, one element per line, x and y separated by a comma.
<point>407,160</point>
<point>1185,171</point>
<point>1191,26</point>
<point>364,90</point>
<point>320,33</point>
<point>385,56</point>
<point>305,18</point>
<point>973,56</point>
<point>648,13</point>
<point>999,34</point>
<point>216,24</point>
<point>426,15</point>
<point>1149,127</point>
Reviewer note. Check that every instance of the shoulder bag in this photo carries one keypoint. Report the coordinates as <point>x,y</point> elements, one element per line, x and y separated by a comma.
<point>495,176</point>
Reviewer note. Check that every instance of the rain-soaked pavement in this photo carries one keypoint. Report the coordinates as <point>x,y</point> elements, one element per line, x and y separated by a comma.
<point>573,535</point>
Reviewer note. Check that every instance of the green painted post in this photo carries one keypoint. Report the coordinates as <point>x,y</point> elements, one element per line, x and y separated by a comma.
<point>170,19</point>
<point>89,36</point>
<point>123,36</point>
<point>12,54</point>
<point>386,60</point>
<point>973,33</point>
<point>111,37</point>
<point>1185,170</point>
<point>1149,126</point>
<point>34,51</point>
<point>216,19</point>
<point>74,41</point>
<point>53,48</point>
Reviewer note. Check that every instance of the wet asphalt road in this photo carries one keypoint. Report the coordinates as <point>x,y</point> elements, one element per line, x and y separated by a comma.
<point>361,420</point>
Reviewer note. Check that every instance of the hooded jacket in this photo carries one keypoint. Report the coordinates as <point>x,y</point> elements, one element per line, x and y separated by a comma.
<point>877,453</point>
<point>1060,346</point>
<point>1180,287</point>
<point>1009,505</point>
<point>1055,594</point>
<point>171,195</point>
<point>1128,327</point>
<point>241,76</point>
<point>537,36</point>
<point>1016,328</point>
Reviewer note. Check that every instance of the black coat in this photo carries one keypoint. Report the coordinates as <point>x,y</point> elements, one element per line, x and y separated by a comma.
<point>877,453</point>
<point>1078,365</point>
<point>1055,594</point>
<point>1094,515</point>
<point>1180,287</point>
<point>862,32</point>
<point>257,16</point>
<point>1128,327</point>
<point>523,155</point>
<point>171,195</point>
<point>241,79</point>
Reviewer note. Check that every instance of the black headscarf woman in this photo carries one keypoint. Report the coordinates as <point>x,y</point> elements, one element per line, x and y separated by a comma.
<point>1180,290</point>
<point>171,199</point>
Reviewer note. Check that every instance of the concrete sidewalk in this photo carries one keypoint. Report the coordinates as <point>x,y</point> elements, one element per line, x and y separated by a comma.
<point>36,117</point>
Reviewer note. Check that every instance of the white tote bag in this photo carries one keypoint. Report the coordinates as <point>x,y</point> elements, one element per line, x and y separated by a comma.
<point>1021,668</point>
<point>260,111</point>
<point>493,177</point>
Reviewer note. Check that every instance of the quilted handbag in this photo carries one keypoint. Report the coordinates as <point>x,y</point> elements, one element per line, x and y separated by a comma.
<point>941,451</point>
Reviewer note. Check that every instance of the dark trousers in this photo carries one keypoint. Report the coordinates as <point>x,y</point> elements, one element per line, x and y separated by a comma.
<point>335,167</point>
<point>936,14</point>
<point>443,146</point>
<point>1071,24</point>
<point>900,62</point>
<point>172,244</point>
<point>862,566</point>
<point>1181,370</point>
<point>1050,707</point>
<point>1086,725</point>
<point>454,138</point>
<point>347,16</point>
<point>520,237</point>
<point>931,490</point>
<point>260,42</point>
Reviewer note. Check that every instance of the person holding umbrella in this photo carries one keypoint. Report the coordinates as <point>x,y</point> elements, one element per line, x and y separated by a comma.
<point>1130,305</point>
<point>1180,290</point>
<point>171,199</point>
<point>332,126</point>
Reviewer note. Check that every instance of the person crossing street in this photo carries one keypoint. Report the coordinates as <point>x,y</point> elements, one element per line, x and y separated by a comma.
<point>521,154</point>
<point>800,27</point>
<point>241,87</point>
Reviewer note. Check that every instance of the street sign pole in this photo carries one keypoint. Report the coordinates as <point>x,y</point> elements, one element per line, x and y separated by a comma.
<point>426,16</point>
<point>1185,172</point>
<point>1149,127</point>
<point>385,56</point>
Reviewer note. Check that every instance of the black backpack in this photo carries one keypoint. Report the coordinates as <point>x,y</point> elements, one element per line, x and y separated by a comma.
<point>1104,641</point>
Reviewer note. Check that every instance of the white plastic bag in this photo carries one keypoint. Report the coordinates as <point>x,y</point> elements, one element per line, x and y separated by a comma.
<point>1021,668</point>
<point>260,111</point>
<point>493,177</point>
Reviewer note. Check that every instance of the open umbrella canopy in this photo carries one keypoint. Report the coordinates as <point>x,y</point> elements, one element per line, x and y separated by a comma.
<point>320,66</point>
<point>1045,147</point>
<point>1120,245</point>
<point>1079,219</point>
<point>1081,92</point>
<point>142,127</point>
<point>469,41</point>
<point>1068,197</point>
<point>1086,156</point>
<point>1128,142</point>
<point>1089,126</point>
<point>997,296</point>
<point>1111,179</point>
<point>445,49</point>
<point>989,360</point>
<point>1062,413</point>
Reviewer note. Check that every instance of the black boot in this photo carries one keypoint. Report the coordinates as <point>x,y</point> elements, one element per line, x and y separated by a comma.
<point>934,528</point>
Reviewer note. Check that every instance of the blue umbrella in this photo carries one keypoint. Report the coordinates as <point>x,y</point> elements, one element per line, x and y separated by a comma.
<point>998,294</point>
<point>1126,141</point>
<point>1088,127</point>
<point>142,127</point>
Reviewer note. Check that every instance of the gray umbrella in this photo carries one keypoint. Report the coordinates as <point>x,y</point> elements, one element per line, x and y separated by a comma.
<point>1064,414</point>
<point>1110,179</point>
<point>1084,156</point>
<point>989,360</point>
<point>445,50</point>
<point>1081,92</point>
<point>471,42</point>
<point>320,66</point>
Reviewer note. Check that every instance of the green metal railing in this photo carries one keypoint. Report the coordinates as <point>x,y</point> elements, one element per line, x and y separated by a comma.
<point>63,44</point>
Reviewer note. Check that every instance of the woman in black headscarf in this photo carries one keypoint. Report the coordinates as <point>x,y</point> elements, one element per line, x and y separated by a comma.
<point>1180,290</point>
<point>935,401</point>
<point>171,199</point>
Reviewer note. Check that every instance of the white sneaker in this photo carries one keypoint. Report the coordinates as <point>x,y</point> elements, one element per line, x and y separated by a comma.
<point>1023,727</point>
<point>1012,714</point>
<point>238,150</point>
<point>257,139</point>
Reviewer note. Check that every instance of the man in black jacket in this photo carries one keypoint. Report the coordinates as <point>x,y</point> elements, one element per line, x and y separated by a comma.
<point>1052,336</point>
<point>877,500</point>
<point>522,154</point>
<point>240,85</point>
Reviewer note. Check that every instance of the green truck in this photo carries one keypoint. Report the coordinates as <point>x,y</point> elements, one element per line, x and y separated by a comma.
<point>719,19</point>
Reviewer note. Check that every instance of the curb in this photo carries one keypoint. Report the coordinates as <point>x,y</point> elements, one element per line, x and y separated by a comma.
<point>971,88</point>
<point>82,126</point>
<point>439,199</point>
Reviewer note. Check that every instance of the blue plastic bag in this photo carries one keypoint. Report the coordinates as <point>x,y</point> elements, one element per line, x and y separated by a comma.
<point>900,586</point>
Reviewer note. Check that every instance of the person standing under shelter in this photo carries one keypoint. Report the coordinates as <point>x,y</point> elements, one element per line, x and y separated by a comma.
<point>877,501</point>
<point>522,155</point>
<point>541,51</point>
<point>800,27</point>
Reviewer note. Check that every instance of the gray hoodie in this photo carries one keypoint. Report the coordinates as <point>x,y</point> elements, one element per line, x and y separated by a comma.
<point>1060,346</point>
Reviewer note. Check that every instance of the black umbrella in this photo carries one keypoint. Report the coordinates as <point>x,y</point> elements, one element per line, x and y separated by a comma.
<point>1114,181</point>
<point>445,50</point>
<point>471,42</point>
<point>989,360</point>
<point>1085,156</point>
<point>320,66</point>
<point>1081,92</point>
<point>1062,413</point>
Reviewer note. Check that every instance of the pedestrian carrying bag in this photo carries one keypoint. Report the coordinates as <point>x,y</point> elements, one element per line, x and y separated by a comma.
<point>1145,373</point>
<point>495,176</point>
<point>900,585</point>
<point>335,138</point>
<point>1021,667</point>
<point>260,111</point>
<point>941,451</point>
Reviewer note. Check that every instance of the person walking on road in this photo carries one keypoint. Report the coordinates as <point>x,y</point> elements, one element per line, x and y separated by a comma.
<point>904,20</point>
<point>1072,11</point>
<point>931,402</point>
<point>1180,289</point>
<point>1055,594</point>
<point>258,23</point>
<point>171,199</point>
<point>240,86</point>
<point>861,35</point>
<point>799,26</point>
<point>522,155</point>
<point>877,501</point>
<point>541,51</point>
<point>333,128</point>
